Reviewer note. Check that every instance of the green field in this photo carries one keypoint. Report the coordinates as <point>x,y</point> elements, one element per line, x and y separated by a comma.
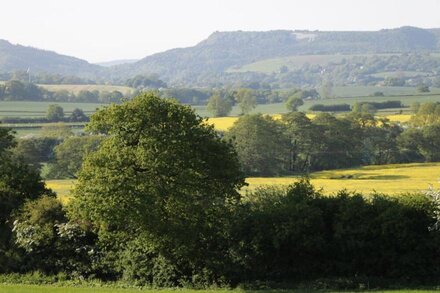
<point>387,74</point>
<point>76,88</point>
<point>28,109</point>
<point>274,64</point>
<point>362,91</point>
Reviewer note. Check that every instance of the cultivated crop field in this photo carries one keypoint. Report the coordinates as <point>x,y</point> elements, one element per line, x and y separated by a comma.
<point>388,179</point>
<point>28,109</point>
<point>76,88</point>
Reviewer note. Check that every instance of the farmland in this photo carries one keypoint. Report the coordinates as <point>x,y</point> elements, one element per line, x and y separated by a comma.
<point>76,88</point>
<point>39,109</point>
<point>389,179</point>
<point>274,64</point>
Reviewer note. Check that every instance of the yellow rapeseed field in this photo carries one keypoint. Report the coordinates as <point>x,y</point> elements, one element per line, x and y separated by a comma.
<point>388,179</point>
<point>402,118</point>
<point>224,123</point>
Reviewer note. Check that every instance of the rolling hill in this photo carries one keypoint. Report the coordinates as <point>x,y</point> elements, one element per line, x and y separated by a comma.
<point>227,56</point>
<point>20,58</point>
<point>223,50</point>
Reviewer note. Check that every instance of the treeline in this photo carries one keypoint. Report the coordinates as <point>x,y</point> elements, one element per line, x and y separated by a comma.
<point>297,144</point>
<point>162,208</point>
<point>15,90</point>
<point>44,78</point>
<point>359,105</point>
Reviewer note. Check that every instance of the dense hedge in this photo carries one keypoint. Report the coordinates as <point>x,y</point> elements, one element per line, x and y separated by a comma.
<point>330,108</point>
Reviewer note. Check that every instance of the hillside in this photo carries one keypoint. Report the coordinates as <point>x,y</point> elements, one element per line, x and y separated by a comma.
<point>17,57</point>
<point>223,50</point>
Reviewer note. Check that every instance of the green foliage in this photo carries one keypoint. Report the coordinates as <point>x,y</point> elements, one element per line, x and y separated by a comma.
<point>55,113</point>
<point>299,234</point>
<point>56,130</point>
<point>163,172</point>
<point>219,106</point>
<point>294,102</point>
<point>246,100</point>
<point>69,155</point>
<point>35,151</point>
<point>52,244</point>
<point>18,183</point>
<point>260,144</point>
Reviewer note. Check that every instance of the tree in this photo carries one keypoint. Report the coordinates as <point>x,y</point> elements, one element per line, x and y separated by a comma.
<point>162,173</point>
<point>246,100</point>
<point>293,103</point>
<point>219,106</point>
<point>70,154</point>
<point>261,145</point>
<point>55,113</point>
<point>18,184</point>
<point>78,116</point>
<point>423,88</point>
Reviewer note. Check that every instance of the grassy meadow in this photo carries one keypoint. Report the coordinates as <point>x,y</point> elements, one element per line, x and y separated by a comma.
<point>292,62</point>
<point>388,179</point>
<point>26,109</point>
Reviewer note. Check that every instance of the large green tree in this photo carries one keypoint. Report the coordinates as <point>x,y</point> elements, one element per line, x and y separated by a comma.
<point>160,172</point>
<point>261,144</point>
<point>18,184</point>
<point>219,106</point>
<point>70,154</point>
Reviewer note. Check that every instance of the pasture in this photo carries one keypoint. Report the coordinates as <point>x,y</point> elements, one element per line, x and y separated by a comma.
<point>76,88</point>
<point>54,289</point>
<point>387,179</point>
<point>297,61</point>
<point>26,109</point>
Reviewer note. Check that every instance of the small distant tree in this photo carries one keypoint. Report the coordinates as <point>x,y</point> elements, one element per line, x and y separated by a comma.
<point>246,100</point>
<point>423,88</point>
<point>55,113</point>
<point>219,106</point>
<point>293,103</point>
<point>78,116</point>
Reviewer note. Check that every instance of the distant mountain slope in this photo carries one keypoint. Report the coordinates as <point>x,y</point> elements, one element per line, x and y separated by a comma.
<point>117,62</point>
<point>17,57</point>
<point>223,50</point>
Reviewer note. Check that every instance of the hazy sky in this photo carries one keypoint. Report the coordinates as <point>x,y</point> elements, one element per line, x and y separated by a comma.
<point>101,30</point>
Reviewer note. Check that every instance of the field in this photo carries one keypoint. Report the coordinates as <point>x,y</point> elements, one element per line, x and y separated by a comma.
<point>76,88</point>
<point>39,109</point>
<point>273,65</point>
<point>389,179</point>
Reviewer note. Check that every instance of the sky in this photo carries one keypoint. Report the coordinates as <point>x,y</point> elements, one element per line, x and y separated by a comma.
<point>104,30</point>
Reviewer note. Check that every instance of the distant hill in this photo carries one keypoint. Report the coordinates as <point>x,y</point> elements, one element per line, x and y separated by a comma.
<point>223,50</point>
<point>226,57</point>
<point>17,57</point>
<point>117,62</point>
